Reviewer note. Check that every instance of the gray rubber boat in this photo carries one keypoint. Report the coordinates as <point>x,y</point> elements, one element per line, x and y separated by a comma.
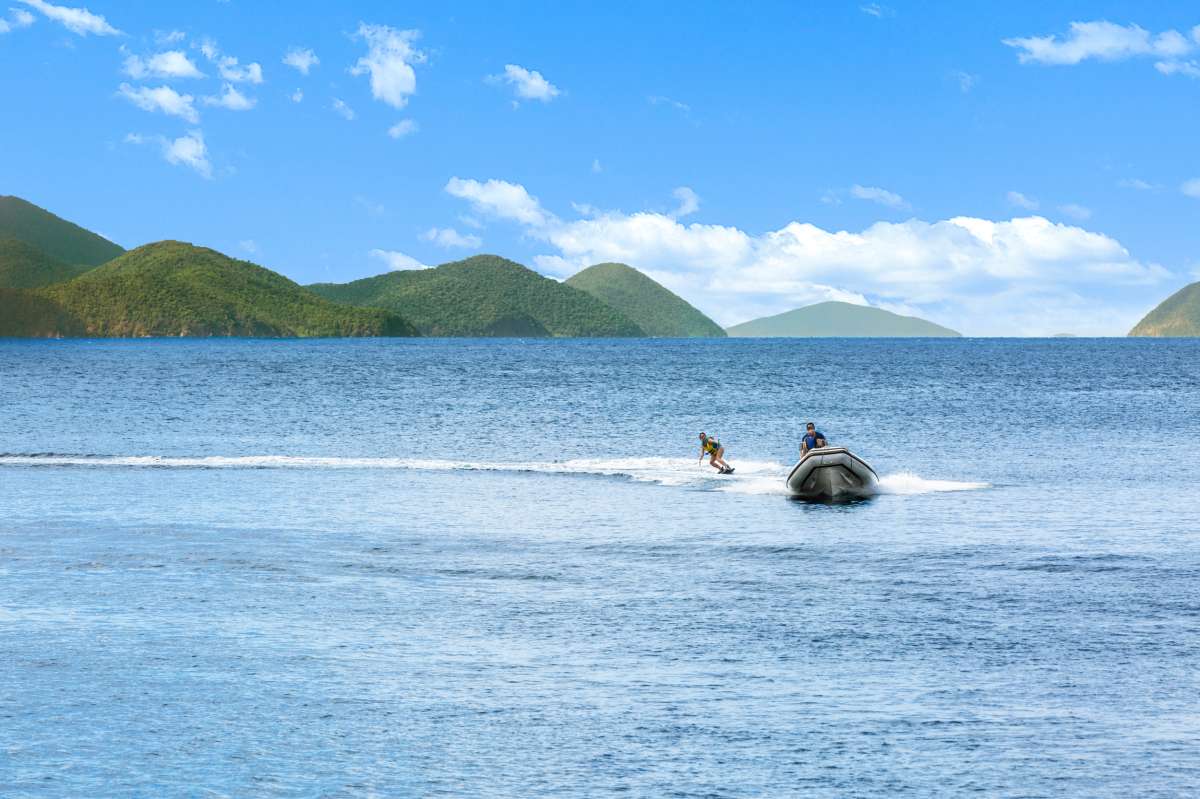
<point>832,473</point>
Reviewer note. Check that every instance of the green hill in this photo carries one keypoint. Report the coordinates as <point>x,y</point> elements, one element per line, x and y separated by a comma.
<point>175,289</point>
<point>653,308</point>
<point>27,314</point>
<point>1176,316</point>
<point>840,319</point>
<point>483,296</point>
<point>61,240</point>
<point>23,266</point>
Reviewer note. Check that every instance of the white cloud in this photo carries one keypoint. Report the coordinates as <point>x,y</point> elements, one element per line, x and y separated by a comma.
<point>389,62</point>
<point>1191,188</point>
<point>163,99</point>
<point>877,195</point>
<point>499,198</point>
<point>189,150</point>
<point>397,260</point>
<point>689,202</point>
<point>1136,183</point>
<point>1189,68</point>
<point>343,110</point>
<point>658,99</point>
<point>1019,200</point>
<point>231,99</point>
<point>296,96</point>
<point>163,38</point>
<point>449,237</point>
<point>77,20</point>
<point>229,67</point>
<point>170,64</point>
<point>248,245</point>
<point>597,167</point>
<point>876,10</point>
<point>1026,275</point>
<point>527,84</point>
<point>470,221</point>
<point>17,18</point>
<point>1101,40</point>
<point>1075,211</point>
<point>965,80</point>
<point>372,208</point>
<point>301,59</point>
<point>404,127</point>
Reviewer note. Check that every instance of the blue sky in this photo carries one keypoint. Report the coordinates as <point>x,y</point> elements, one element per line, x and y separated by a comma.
<point>1026,169</point>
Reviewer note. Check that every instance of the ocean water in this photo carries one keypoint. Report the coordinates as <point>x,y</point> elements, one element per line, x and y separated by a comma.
<point>494,568</point>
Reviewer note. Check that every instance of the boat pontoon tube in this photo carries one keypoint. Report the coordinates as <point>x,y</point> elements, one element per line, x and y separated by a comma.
<point>832,473</point>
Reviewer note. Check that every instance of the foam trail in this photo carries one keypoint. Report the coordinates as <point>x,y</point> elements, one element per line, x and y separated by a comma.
<point>664,471</point>
<point>909,483</point>
<point>752,477</point>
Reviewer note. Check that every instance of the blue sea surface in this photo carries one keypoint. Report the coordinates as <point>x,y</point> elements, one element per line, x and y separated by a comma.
<point>495,568</point>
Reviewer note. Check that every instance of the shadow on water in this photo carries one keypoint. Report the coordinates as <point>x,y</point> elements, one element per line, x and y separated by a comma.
<point>831,503</point>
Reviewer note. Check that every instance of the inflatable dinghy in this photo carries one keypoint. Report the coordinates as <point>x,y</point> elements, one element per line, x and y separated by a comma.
<point>832,473</point>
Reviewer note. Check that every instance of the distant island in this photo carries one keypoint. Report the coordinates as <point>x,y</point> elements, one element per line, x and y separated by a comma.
<point>485,295</point>
<point>651,306</point>
<point>837,319</point>
<point>1175,317</point>
<point>59,280</point>
<point>56,238</point>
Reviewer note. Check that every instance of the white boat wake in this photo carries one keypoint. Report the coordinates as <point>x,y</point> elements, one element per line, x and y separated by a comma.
<point>751,477</point>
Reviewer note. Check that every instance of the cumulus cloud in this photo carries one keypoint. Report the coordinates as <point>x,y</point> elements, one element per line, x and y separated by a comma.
<point>501,199</point>
<point>1019,200</point>
<point>231,99</point>
<point>17,18</point>
<point>527,84</point>
<point>1076,211</point>
<point>162,99</point>
<point>448,237</point>
<point>1100,40</point>
<point>296,96</point>
<point>301,59</point>
<point>341,109</point>
<point>230,68</point>
<point>404,127</point>
<point>1191,188</point>
<point>77,20</point>
<point>689,202</point>
<point>189,150</point>
<point>877,195</point>
<point>389,62</point>
<point>1025,275</point>
<point>169,64</point>
<point>397,260</point>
